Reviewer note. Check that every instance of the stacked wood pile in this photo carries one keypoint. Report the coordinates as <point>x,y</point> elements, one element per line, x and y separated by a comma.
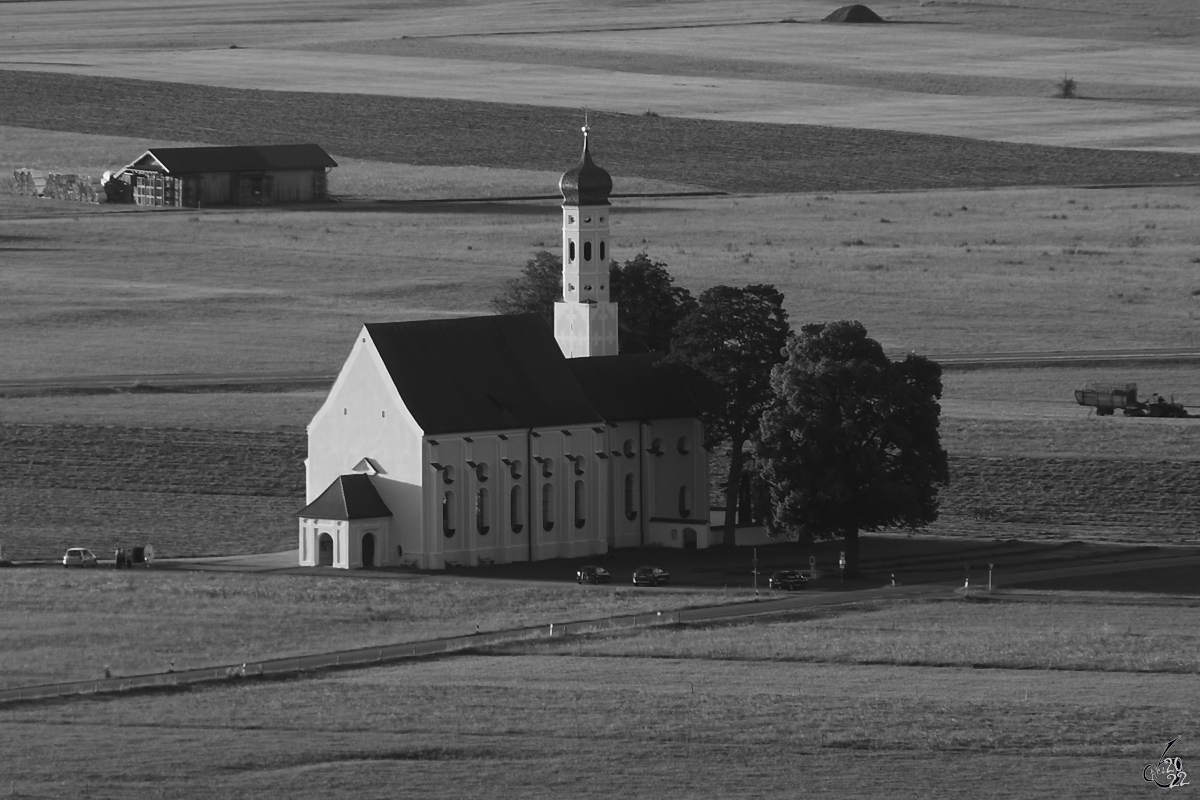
<point>29,181</point>
<point>73,187</point>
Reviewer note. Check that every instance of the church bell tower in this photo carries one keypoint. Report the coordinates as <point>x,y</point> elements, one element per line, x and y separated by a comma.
<point>585,320</point>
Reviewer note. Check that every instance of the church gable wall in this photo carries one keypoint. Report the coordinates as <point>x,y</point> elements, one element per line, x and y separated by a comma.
<point>364,417</point>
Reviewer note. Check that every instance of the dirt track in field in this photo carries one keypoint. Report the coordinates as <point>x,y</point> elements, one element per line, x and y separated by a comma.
<point>194,492</point>
<point>729,156</point>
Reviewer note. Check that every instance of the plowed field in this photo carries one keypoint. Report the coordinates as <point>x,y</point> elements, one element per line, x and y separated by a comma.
<point>187,492</point>
<point>192,492</point>
<point>729,156</point>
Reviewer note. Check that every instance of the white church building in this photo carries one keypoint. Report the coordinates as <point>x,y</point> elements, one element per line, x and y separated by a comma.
<point>493,439</point>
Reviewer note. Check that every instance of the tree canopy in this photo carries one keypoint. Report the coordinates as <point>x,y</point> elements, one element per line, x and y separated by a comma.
<point>650,304</point>
<point>535,291</point>
<point>850,442</point>
<point>728,344</point>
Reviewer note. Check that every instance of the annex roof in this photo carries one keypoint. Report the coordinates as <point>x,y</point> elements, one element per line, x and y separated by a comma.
<point>348,497</point>
<point>250,158</point>
<point>482,374</point>
<point>632,387</point>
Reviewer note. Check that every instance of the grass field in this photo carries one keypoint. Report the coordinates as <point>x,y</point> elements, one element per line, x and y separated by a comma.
<point>849,718</point>
<point>91,291</point>
<point>210,491</point>
<point>937,243</point>
<point>64,625</point>
<point>984,71</point>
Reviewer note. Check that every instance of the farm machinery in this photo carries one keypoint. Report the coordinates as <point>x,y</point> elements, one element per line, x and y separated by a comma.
<point>1106,398</point>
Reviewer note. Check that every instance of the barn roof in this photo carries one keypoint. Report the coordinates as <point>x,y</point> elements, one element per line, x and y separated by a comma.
<point>482,374</point>
<point>348,497</point>
<point>183,160</point>
<point>632,387</point>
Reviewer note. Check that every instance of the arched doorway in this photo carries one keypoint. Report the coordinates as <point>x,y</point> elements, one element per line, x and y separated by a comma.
<point>689,538</point>
<point>325,550</point>
<point>368,550</point>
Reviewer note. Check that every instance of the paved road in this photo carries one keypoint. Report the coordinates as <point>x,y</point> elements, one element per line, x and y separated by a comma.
<point>246,380</point>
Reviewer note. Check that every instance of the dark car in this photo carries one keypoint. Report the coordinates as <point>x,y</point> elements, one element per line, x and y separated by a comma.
<point>650,576</point>
<point>789,580</point>
<point>592,574</point>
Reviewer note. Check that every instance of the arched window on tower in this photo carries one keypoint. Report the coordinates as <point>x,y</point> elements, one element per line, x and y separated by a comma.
<point>571,251</point>
<point>587,251</point>
<point>580,505</point>
<point>601,253</point>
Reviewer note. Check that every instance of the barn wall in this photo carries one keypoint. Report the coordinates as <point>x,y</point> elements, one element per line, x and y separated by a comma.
<point>294,186</point>
<point>215,189</point>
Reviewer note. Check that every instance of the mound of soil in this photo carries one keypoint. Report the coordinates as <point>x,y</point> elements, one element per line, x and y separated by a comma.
<point>854,13</point>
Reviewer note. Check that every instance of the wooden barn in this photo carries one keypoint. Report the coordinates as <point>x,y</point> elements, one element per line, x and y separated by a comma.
<point>222,176</point>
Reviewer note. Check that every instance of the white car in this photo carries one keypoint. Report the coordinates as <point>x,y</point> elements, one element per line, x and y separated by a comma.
<point>79,557</point>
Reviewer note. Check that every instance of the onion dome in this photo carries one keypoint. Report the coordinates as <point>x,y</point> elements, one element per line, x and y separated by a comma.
<point>585,184</point>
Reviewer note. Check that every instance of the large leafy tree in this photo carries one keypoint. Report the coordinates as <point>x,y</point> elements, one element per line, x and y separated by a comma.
<point>535,290</point>
<point>851,441</point>
<point>650,303</point>
<point>728,345</point>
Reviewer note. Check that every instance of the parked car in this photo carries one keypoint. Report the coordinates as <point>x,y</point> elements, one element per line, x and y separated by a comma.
<point>789,580</point>
<point>79,557</point>
<point>650,576</point>
<point>592,574</point>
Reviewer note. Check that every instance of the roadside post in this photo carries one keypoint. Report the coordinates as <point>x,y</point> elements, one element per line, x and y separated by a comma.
<point>754,569</point>
<point>842,566</point>
<point>812,568</point>
<point>967,582</point>
<point>990,567</point>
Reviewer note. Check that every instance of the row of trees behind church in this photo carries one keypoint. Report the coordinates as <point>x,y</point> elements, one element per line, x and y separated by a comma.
<point>833,436</point>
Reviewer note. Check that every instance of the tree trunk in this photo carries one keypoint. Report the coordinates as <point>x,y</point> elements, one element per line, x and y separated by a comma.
<point>850,544</point>
<point>731,492</point>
